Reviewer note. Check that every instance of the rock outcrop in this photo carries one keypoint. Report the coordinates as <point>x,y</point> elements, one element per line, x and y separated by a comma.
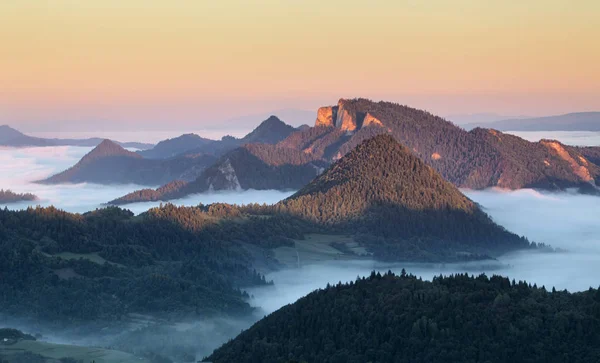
<point>345,117</point>
<point>326,116</point>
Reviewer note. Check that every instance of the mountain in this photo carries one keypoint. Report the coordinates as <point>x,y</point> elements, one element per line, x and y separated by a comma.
<point>13,138</point>
<point>405,319</point>
<point>292,116</point>
<point>252,166</point>
<point>7,133</point>
<point>270,131</point>
<point>381,184</point>
<point>109,163</point>
<point>8,196</point>
<point>476,159</point>
<point>366,194</point>
<point>175,146</point>
<point>578,121</point>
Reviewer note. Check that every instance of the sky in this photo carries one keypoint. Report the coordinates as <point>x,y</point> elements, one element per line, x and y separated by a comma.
<point>100,64</point>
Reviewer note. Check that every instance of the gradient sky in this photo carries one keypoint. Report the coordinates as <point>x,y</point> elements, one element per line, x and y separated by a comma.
<point>122,63</point>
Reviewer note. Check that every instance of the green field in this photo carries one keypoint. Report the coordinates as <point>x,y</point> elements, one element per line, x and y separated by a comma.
<point>58,351</point>
<point>320,247</point>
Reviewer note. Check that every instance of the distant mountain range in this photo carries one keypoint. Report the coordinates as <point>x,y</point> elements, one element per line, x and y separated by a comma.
<point>181,261</point>
<point>14,138</point>
<point>179,159</point>
<point>475,159</point>
<point>580,121</point>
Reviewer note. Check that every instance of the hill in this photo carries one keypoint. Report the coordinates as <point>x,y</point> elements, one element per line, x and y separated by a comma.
<point>252,166</point>
<point>577,121</point>
<point>404,319</point>
<point>14,138</point>
<point>367,194</point>
<point>481,158</point>
<point>175,146</point>
<point>380,185</point>
<point>270,131</point>
<point>109,163</point>
<point>8,196</point>
<point>67,268</point>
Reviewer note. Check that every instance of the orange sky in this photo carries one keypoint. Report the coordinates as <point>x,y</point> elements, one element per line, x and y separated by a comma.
<point>196,61</point>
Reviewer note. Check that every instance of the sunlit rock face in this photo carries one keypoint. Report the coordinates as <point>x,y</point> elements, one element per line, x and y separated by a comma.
<point>579,168</point>
<point>371,120</point>
<point>346,119</point>
<point>326,116</point>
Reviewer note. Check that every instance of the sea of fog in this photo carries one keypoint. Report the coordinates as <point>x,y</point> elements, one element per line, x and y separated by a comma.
<point>575,138</point>
<point>565,220</point>
<point>21,167</point>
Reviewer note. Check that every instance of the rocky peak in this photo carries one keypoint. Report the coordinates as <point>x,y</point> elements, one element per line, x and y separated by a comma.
<point>345,117</point>
<point>326,116</point>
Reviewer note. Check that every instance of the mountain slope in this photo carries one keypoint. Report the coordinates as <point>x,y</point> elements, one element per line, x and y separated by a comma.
<point>252,166</point>
<point>7,133</point>
<point>168,260</point>
<point>404,319</point>
<point>109,163</point>
<point>477,159</point>
<point>177,145</point>
<point>381,185</point>
<point>577,121</point>
<point>270,131</point>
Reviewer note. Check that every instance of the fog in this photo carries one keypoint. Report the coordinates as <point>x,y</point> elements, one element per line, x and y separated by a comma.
<point>565,220</point>
<point>20,167</point>
<point>575,138</point>
<point>147,136</point>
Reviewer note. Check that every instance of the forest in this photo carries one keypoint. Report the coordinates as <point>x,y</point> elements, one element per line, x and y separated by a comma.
<point>476,159</point>
<point>176,260</point>
<point>58,266</point>
<point>379,186</point>
<point>8,196</point>
<point>459,318</point>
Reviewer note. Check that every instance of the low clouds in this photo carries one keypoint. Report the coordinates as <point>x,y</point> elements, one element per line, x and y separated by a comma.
<point>20,167</point>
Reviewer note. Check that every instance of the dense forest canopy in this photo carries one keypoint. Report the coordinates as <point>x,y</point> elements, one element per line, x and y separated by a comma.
<point>460,318</point>
<point>108,263</point>
<point>381,185</point>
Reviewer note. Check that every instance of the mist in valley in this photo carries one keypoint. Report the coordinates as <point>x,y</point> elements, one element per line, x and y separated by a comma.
<point>21,167</point>
<point>562,220</point>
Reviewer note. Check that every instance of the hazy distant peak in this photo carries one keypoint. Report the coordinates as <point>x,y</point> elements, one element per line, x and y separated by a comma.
<point>575,121</point>
<point>107,148</point>
<point>7,133</point>
<point>270,131</point>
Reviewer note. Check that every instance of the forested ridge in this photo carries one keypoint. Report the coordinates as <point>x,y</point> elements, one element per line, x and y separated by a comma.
<point>476,159</point>
<point>8,196</point>
<point>381,189</point>
<point>459,318</point>
<point>107,263</point>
